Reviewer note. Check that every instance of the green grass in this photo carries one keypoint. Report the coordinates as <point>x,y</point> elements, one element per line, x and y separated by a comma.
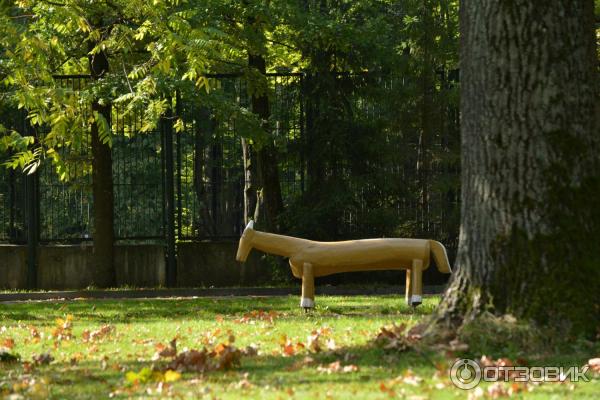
<point>139,325</point>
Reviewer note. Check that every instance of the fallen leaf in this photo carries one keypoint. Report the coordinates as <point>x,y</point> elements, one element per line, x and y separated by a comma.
<point>594,364</point>
<point>244,383</point>
<point>163,351</point>
<point>408,378</point>
<point>98,334</point>
<point>145,375</point>
<point>171,376</point>
<point>393,337</point>
<point>9,343</point>
<point>477,393</point>
<point>250,351</point>
<point>226,356</point>
<point>496,390</point>
<point>257,315</point>
<point>388,390</point>
<point>75,358</point>
<point>63,329</point>
<point>306,361</point>
<point>190,360</point>
<point>337,367</point>
<point>313,341</point>
<point>42,359</point>
<point>288,347</point>
<point>34,333</point>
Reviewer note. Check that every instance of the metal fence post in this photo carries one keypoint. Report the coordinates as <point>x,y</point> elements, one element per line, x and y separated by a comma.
<point>32,207</point>
<point>12,204</point>
<point>179,114</point>
<point>167,126</point>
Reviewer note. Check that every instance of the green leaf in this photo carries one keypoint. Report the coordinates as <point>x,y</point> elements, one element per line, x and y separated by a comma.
<point>104,133</point>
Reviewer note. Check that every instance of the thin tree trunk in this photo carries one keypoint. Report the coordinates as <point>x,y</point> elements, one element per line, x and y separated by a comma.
<point>266,158</point>
<point>250,195</point>
<point>530,166</point>
<point>102,187</point>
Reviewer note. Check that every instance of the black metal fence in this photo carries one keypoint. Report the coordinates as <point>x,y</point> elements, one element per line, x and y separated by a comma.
<point>207,173</point>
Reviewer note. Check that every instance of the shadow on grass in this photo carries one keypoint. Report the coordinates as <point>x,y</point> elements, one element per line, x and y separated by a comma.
<point>273,370</point>
<point>129,311</point>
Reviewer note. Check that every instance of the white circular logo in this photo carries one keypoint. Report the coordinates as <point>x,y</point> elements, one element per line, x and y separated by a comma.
<point>465,374</point>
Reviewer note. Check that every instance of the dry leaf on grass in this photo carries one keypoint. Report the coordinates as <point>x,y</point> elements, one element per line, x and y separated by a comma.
<point>288,347</point>
<point>497,390</point>
<point>476,393</point>
<point>30,388</point>
<point>226,356</point>
<point>98,334</point>
<point>9,343</point>
<point>313,341</point>
<point>223,356</point>
<point>337,367</point>
<point>244,383</point>
<point>190,361</point>
<point>75,358</point>
<point>453,346</point>
<point>250,351</point>
<point>408,378</point>
<point>486,361</point>
<point>594,364</point>
<point>42,359</point>
<point>394,337</point>
<point>63,329</point>
<point>164,351</point>
<point>257,315</point>
<point>35,334</point>
<point>306,361</point>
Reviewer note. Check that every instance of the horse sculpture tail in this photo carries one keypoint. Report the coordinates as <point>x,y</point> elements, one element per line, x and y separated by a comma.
<point>440,256</point>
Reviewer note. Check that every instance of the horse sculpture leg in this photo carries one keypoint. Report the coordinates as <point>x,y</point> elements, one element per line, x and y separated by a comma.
<point>308,287</point>
<point>416,283</point>
<point>408,295</point>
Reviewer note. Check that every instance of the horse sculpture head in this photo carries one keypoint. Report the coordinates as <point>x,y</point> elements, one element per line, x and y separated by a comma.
<point>245,242</point>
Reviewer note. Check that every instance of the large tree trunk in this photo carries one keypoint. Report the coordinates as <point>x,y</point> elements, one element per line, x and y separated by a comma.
<point>102,188</point>
<point>530,166</point>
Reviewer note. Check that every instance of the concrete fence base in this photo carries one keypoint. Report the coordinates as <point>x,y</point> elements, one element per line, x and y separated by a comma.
<point>70,266</point>
<point>62,267</point>
<point>199,264</point>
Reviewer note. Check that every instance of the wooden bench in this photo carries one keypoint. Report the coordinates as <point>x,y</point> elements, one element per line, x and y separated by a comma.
<point>310,259</point>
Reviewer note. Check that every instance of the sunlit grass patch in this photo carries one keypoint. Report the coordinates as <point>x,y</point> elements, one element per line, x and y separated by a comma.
<point>256,347</point>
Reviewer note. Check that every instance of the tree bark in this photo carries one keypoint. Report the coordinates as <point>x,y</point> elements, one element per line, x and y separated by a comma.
<point>266,158</point>
<point>250,183</point>
<point>102,187</point>
<point>528,241</point>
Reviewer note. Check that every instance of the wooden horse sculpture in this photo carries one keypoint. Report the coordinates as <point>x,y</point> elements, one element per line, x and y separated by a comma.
<point>310,259</point>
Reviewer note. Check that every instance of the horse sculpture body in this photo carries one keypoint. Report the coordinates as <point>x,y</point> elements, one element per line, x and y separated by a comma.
<point>310,259</point>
